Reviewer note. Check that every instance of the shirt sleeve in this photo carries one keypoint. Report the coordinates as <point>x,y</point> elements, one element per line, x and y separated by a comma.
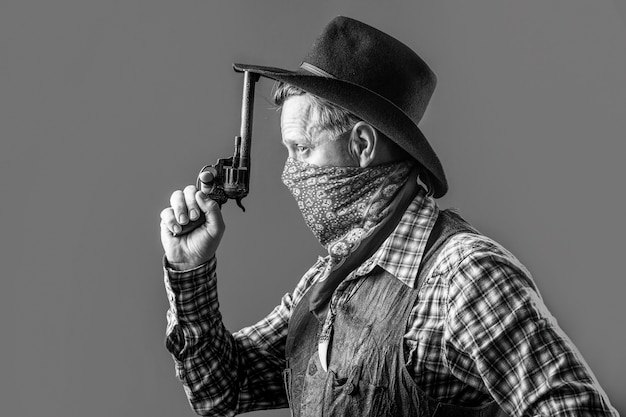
<point>501,339</point>
<point>222,373</point>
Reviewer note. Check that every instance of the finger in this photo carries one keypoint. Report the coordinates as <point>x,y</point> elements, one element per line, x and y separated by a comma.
<point>207,176</point>
<point>206,188</point>
<point>168,222</point>
<point>211,210</point>
<point>206,180</point>
<point>177,201</point>
<point>190,202</point>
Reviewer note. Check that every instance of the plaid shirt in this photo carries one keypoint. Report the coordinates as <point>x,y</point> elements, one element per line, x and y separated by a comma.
<point>478,332</point>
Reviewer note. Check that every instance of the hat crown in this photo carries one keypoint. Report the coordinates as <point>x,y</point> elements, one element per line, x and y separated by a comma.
<point>355,52</point>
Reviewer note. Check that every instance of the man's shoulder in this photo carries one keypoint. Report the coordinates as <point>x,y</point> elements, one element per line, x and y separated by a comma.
<point>470,249</point>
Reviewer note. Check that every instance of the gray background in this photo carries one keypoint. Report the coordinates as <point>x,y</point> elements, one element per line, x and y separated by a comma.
<point>108,106</point>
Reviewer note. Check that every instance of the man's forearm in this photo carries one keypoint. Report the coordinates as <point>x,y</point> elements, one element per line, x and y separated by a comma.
<point>215,366</point>
<point>203,350</point>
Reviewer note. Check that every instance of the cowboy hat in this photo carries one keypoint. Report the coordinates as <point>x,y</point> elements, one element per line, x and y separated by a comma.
<point>375,77</point>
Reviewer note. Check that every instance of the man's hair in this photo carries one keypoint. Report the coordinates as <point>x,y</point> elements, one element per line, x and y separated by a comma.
<point>324,114</point>
<point>337,120</point>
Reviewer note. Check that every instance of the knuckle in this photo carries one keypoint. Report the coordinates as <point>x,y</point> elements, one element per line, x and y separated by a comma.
<point>166,213</point>
<point>190,196</point>
<point>167,217</point>
<point>177,200</point>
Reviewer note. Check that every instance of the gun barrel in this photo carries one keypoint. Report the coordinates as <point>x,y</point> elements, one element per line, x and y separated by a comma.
<point>247,111</point>
<point>237,154</point>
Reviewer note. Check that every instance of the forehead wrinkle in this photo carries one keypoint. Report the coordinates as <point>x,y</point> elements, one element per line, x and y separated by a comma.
<point>294,130</point>
<point>314,128</point>
<point>300,120</point>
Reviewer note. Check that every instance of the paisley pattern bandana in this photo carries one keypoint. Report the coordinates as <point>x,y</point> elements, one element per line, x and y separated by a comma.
<point>343,205</point>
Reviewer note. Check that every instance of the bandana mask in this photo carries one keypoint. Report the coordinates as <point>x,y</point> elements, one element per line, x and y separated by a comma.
<point>341,204</point>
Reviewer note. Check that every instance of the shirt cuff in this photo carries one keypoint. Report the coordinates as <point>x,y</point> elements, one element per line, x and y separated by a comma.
<point>189,292</point>
<point>189,279</point>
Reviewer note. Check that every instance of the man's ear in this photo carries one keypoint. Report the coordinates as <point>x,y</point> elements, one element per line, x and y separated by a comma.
<point>363,140</point>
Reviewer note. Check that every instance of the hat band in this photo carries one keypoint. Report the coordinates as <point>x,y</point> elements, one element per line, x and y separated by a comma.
<point>315,70</point>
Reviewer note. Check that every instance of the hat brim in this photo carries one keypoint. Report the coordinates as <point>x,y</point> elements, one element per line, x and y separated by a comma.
<point>370,107</point>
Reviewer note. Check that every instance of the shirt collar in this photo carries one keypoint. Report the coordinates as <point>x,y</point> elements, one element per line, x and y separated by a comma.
<point>402,251</point>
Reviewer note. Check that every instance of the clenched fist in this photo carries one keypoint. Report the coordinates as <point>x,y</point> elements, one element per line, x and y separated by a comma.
<point>198,246</point>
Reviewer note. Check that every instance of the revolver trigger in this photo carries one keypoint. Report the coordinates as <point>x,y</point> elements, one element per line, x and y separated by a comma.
<point>238,200</point>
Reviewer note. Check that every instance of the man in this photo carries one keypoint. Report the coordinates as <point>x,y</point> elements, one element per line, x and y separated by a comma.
<point>413,312</point>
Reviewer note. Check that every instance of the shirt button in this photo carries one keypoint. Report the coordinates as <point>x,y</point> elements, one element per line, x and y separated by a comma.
<point>349,388</point>
<point>312,369</point>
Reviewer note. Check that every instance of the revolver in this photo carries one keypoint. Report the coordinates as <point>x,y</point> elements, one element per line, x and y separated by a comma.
<point>229,178</point>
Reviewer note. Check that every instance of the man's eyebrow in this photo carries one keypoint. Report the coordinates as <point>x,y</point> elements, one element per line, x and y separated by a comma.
<point>290,140</point>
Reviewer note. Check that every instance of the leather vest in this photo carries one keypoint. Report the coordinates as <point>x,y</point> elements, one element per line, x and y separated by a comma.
<point>366,374</point>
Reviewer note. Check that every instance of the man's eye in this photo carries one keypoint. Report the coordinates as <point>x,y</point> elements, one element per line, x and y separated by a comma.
<point>302,149</point>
